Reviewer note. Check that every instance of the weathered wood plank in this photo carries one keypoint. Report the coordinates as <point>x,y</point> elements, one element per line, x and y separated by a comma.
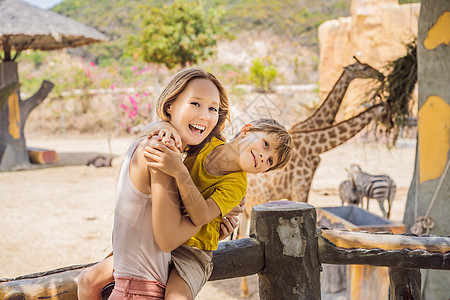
<point>60,285</point>
<point>399,251</point>
<point>232,259</point>
<point>237,258</point>
<point>387,241</point>
<point>42,156</point>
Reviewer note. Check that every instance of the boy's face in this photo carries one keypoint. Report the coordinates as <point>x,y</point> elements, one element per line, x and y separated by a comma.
<point>257,151</point>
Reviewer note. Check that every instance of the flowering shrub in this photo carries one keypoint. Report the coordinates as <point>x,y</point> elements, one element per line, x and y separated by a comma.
<point>136,103</point>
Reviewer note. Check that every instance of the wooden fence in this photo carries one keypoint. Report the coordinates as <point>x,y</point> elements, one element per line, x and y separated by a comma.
<point>284,241</point>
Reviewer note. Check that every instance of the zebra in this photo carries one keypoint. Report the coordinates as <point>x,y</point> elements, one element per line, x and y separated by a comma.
<point>349,193</point>
<point>379,187</point>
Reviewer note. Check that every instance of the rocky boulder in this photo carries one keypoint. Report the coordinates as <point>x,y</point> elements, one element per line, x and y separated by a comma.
<point>376,33</point>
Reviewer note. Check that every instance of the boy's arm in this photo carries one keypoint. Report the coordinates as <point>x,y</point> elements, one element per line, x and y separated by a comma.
<point>200,211</point>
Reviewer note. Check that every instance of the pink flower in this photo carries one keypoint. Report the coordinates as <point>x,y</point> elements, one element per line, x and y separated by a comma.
<point>112,86</point>
<point>126,108</point>
<point>135,68</point>
<point>92,63</point>
<point>122,124</point>
<point>138,83</point>
<point>145,94</point>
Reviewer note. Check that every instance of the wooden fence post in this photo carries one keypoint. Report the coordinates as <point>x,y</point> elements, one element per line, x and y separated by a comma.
<point>288,232</point>
<point>404,284</point>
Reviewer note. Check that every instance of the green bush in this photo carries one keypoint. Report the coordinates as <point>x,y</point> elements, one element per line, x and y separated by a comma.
<point>262,75</point>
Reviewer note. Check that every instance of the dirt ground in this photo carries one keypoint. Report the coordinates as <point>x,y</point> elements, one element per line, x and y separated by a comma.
<point>62,215</point>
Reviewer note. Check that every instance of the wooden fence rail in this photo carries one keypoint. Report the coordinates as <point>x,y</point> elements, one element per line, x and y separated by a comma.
<point>284,242</point>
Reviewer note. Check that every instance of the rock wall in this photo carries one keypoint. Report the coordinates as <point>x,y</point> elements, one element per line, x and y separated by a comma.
<point>376,33</point>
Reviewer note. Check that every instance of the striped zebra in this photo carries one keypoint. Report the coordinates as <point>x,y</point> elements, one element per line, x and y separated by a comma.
<point>349,193</point>
<point>379,187</point>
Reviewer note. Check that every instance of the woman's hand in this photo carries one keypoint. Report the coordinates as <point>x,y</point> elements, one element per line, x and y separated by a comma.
<point>165,132</point>
<point>165,157</point>
<point>228,225</point>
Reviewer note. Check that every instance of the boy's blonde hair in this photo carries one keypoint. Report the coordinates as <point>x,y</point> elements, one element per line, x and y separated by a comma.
<point>284,147</point>
<point>176,86</point>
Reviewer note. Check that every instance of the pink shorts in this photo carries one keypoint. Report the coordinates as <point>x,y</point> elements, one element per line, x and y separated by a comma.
<point>132,288</point>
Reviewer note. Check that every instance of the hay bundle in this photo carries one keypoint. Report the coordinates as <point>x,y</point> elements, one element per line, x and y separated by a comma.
<point>397,91</point>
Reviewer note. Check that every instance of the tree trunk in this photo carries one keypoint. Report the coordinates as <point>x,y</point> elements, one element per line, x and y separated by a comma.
<point>13,115</point>
<point>429,192</point>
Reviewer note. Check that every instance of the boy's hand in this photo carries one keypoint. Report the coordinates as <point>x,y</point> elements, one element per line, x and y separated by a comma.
<point>230,220</point>
<point>165,132</point>
<point>164,157</point>
<point>228,225</point>
<point>238,209</point>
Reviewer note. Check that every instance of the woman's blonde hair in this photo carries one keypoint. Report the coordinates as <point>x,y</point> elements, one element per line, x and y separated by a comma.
<point>177,85</point>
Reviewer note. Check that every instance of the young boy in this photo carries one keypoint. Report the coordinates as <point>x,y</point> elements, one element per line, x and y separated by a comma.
<point>217,174</point>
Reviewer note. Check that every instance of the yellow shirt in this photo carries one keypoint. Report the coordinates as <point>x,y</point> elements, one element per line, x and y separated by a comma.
<point>227,191</point>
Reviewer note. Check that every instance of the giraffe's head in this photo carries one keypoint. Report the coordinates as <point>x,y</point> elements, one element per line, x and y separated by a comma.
<point>362,70</point>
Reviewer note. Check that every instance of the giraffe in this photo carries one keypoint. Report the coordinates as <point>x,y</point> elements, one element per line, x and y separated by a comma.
<point>326,113</point>
<point>293,181</point>
<point>318,124</point>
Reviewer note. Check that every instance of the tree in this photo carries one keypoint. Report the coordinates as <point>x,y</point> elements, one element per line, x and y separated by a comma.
<point>426,209</point>
<point>13,114</point>
<point>178,34</point>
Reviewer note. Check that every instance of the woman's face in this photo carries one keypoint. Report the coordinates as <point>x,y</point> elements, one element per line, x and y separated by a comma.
<point>195,112</point>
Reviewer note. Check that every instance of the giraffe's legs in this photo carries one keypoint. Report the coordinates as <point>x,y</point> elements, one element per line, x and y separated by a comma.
<point>244,288</point>
<point>243,233</point>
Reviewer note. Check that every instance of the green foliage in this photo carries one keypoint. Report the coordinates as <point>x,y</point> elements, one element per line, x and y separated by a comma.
<point>261,75</point>
<point>36,57</point>
<point>117,19</point>
<point>293,19</point>
<point>177,34</point>
<point>290,19</point>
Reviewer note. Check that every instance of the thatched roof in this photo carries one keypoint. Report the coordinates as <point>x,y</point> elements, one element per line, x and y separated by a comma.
<point>24,26</point>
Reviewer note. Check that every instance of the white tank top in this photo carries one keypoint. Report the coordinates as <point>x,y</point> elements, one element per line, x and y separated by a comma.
<point>136,253</point>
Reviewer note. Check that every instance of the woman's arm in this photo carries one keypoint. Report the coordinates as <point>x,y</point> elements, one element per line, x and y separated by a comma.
<point>164,157</point>
<point>170,227</point>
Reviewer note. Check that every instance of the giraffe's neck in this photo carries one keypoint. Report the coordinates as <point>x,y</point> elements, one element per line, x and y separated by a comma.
<point>325,114</point>
<point>294,181</point>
